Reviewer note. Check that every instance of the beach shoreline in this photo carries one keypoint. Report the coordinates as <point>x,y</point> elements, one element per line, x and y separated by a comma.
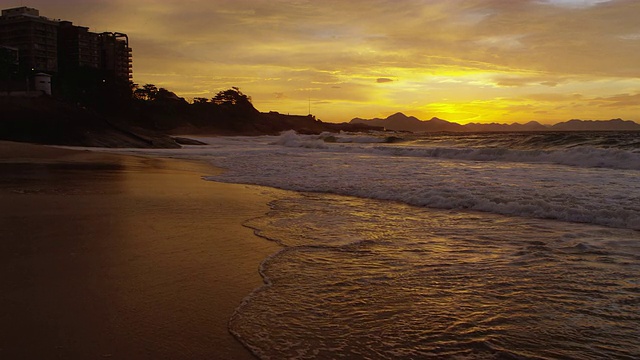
<point>114,256</point>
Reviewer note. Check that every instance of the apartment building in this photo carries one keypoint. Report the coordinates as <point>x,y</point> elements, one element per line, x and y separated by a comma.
<point>77,47</point>
<point>9,54</point>
<point>53,46</point>
<point>116,54</point>
<point>35,37</point>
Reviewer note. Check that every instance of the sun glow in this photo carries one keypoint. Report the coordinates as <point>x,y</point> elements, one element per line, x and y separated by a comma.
<point>486,62</point>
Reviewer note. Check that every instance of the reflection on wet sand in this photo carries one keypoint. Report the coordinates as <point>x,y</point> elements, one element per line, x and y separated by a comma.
<point>123,257</point>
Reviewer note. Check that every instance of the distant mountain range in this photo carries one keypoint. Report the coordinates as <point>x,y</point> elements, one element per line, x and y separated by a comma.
<point>401,122</point>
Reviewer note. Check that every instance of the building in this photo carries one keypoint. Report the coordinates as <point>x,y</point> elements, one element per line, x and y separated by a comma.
<point>77,47</point>
<point>57,46</point>
<point>35,37</point>
<point>42,83</point>
<point>9,69</point>
<point>10,54</point>
<point>116,55</point>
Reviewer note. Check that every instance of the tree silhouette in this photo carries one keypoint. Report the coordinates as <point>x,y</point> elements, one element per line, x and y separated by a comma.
<point>147,92</point>
<point>163,95</point>
<point>200,100</point>
<point>232,96</point>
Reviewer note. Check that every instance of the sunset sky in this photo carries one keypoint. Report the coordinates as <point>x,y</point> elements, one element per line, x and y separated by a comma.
<point>460,60</point>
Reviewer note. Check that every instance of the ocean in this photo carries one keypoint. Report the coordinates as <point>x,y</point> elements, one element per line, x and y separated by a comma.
<point>457,246</point>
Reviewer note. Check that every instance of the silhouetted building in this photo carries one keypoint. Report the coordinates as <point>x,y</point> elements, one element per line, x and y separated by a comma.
<point>46,45</point>
<point>35,36</point>
<point>9,69</point>
<point>77,47</point>
<point>116,54</point>
<point>42,82</point>
<point>10,54</point>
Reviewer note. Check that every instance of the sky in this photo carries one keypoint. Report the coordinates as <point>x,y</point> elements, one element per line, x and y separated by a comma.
<point>461,60</point>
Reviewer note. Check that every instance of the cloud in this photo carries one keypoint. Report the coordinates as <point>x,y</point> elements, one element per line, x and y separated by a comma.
<point>565,36</point>
<point>619,101</point>
<point>553,97</point>
<point>574,3</point>
<point>454,49</point>
<point>632,37</point>
<point>505,42</point>
<point>526,81</point>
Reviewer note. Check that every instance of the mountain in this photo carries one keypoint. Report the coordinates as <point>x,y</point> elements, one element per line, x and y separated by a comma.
<point>401,122</point>
<point>530,126</point>
<point>597,125</point>
<point>395,122</point>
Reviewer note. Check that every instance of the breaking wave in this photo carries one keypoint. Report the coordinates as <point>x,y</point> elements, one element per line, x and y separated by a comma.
<point>552,149</point>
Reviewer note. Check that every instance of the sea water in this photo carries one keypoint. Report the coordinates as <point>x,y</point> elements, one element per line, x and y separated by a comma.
<point>461,246</point>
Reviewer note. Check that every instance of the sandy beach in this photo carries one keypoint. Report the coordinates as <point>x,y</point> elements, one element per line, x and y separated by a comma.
<point>108,256</point>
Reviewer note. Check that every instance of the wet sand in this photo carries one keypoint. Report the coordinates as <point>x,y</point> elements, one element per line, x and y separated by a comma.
<point>108,256</point>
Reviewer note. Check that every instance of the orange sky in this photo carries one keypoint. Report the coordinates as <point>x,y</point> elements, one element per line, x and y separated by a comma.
<point>460,60</point>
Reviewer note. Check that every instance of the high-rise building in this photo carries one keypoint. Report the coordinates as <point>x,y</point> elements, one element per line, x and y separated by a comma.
<point>10,54</point>
<point>116,54</point>
<point>77,47</point>
<point>35,37</point>
<point>46,45</point>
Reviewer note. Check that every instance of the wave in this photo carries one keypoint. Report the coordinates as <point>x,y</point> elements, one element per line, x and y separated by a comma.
<point>425,177</point>
<point>628,140</point>
<point>322,141</point>
<point>483,149</point>
<point>513,280</point>
<point>580,156</point>
<point>599,187</point>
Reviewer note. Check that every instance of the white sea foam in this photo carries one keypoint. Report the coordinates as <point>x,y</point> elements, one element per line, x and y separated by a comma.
<point>602,196</point>
<point>600,186</point>
<point>417,282</point>
<point>422,283</point>
<point>583,156</point>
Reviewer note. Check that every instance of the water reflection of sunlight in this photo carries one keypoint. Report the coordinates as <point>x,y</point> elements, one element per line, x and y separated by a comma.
<point>432,282</point>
